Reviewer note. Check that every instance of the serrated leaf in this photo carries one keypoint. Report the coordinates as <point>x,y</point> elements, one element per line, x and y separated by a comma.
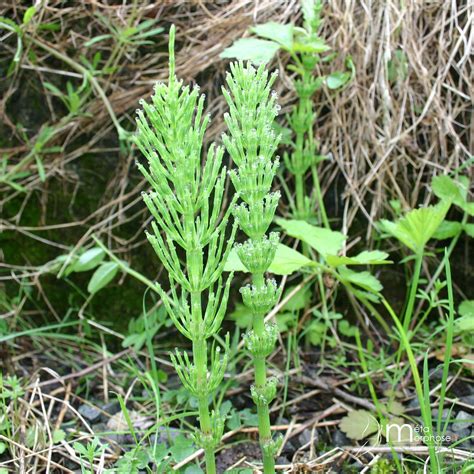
<point>395,408</point>
<point>255,50</point>
<point>358,424</point>
<point>365,280</point>
<point>447,230</point>
<point>281,34</point>
<point>286,261</point>
<point>372,257</point>
<point>89,259</point>
<point>324,241</point>
<point>102,277</point>
<point>449,189</point>
<point>337,79</point>
<point>418,226</point>
<point>315,46</point>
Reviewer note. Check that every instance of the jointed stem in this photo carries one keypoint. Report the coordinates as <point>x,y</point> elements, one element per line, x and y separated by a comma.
<point>200,362</point>
<point>300,201</point>
<point>264,426</point>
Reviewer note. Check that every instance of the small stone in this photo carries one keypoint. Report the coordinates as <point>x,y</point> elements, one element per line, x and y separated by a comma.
<point>308,436</point>
<point>112,407</point>
<point>414,403</point>
<point>289,448</point>
<point>444,416</point>
<point>165,435</point>
<point>468,400</point>
<point>98,428</point>
<point>463,421</point>
<point>436,374</point>
<point>463,435</point>
<point>414,406</point>
<point>339,439</point>
<point>281,460</point>
<point>89,412</point>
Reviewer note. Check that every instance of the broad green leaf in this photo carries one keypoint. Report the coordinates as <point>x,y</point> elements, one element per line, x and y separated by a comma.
<point>365,280</point>
<point>358,424</point>
<point>337,79</point>
<point>325,241</point>
<point>286,261</point>
<point>315,46</point>
<point>395,408</point>
<point>417,226</point>
<point>233,263</point>
<point>282,34</point>
<point>372,257</point>
<point>298,301</point>
<point>448,189</point>
<point>469,229</point>
<point>29,13</point>
<point>447,230</point>
<point>3,448</point>
<point>102,276</point>
<point>466,309</point>
<point>182,448</point>
<point>255,50</point>
<point>89,259</point>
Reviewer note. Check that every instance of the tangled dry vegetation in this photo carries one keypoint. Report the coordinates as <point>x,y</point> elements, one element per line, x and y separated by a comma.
<point>404,118</point>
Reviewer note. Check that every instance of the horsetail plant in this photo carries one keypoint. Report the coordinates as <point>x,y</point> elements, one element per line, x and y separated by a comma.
<point>251,145</point>
<point>186,202</point>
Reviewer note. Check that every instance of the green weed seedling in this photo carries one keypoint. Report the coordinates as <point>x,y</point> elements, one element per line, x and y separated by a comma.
<point>252,144</point>
<point>189,236</point>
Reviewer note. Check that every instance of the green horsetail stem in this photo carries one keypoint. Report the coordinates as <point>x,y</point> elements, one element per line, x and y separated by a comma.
<point>186,202</point>
<point>252,144</point>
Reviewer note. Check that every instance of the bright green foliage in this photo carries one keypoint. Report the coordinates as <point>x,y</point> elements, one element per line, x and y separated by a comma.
<point>447,188</point>
<point>418,226</point>
<point>324,241</point>
<point>251,145</point>
<point>186,201</point>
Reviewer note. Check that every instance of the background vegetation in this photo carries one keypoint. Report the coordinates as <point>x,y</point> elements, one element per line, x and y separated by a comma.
<point>80,336</point>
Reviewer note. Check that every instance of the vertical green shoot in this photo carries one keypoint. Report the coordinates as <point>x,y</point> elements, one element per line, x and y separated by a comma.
<point>251,145</point>
<point>188,235</point>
